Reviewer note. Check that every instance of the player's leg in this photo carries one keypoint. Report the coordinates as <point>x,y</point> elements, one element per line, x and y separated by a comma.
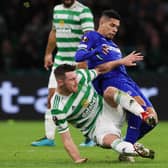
<point>134,122</point>
<point>145,128</point>
<point>108,135</point>
<point>48,139</point>
<point>115,97</point>
<point>147,105</point>
<point>125,148</point>
<point>102,87</point>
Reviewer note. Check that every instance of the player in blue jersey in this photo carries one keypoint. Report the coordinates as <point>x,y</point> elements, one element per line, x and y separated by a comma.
<point>97,47</point>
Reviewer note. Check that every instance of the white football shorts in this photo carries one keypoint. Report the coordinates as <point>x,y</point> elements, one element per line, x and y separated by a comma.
<point>110,121</point>
<point>52,81</point>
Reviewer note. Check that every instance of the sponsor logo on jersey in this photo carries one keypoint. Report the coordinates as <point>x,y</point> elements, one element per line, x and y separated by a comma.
<point>90,107</point>
<point>63,30</point>
<point>114,49</point>
<point>70,17</point>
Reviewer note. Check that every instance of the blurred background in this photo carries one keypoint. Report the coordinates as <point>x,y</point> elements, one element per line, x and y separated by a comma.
<point>24,28</point>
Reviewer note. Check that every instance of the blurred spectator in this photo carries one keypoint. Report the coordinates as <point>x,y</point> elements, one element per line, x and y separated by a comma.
<point>7,55</point>
<point>24,26</point>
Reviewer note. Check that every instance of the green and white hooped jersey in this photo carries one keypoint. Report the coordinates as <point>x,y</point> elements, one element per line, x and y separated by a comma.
<point>81,109</point>
<point>70,24</point>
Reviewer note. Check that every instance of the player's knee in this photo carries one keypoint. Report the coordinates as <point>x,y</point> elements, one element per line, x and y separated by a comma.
<point>109,92</point>
<point>108,140</point>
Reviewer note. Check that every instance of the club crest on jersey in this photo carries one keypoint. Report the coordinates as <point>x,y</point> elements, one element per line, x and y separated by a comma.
<point>61,23</point>
<point>85,103</point>
<point>84,39</point>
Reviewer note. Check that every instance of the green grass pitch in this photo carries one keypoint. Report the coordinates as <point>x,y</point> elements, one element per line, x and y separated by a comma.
<point>16,152</point>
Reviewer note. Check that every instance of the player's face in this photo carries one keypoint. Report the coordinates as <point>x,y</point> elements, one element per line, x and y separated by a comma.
<point>70,82</point>
<point>68,3</point>
<point>110,27</point>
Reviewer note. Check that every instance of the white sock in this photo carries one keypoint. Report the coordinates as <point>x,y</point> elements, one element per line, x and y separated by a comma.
<point>123,147</point>
<point>128,103</point>
<point>50,126</point>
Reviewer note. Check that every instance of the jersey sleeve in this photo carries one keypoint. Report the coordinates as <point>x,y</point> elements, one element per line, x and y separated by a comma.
<point>87,41</point>
<point>86,18</point>
<point>86,75</point>
<point>85,49</point>
<point>53,25</point>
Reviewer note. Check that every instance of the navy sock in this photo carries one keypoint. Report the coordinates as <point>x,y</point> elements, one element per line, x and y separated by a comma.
<point>133,129</point>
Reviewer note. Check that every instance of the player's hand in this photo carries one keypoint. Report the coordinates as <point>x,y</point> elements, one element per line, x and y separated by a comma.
<point>82,160</point>
<point>48,62</point>
<point>82,65</point>
<point>132,58</point>
<point>104,48</point>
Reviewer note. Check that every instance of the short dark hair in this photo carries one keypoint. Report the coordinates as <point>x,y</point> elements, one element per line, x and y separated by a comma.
<point>62,69</point>
<point>111,13</point>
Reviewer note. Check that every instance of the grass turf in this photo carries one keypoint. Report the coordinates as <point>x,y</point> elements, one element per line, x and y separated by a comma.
<point>16,151</point>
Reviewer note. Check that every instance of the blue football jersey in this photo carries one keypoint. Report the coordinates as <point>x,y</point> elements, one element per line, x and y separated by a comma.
<point>90,42</point>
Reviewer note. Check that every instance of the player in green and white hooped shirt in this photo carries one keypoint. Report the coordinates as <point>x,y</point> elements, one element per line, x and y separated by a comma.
<point>76,102</point>
<point>70,23</point>
<point>71,20</point>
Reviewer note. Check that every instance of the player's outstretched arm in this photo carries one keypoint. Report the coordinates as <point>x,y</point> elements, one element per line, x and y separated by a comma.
<point>71,148</point>
<point>132,58</point>
<point>129,60</point>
